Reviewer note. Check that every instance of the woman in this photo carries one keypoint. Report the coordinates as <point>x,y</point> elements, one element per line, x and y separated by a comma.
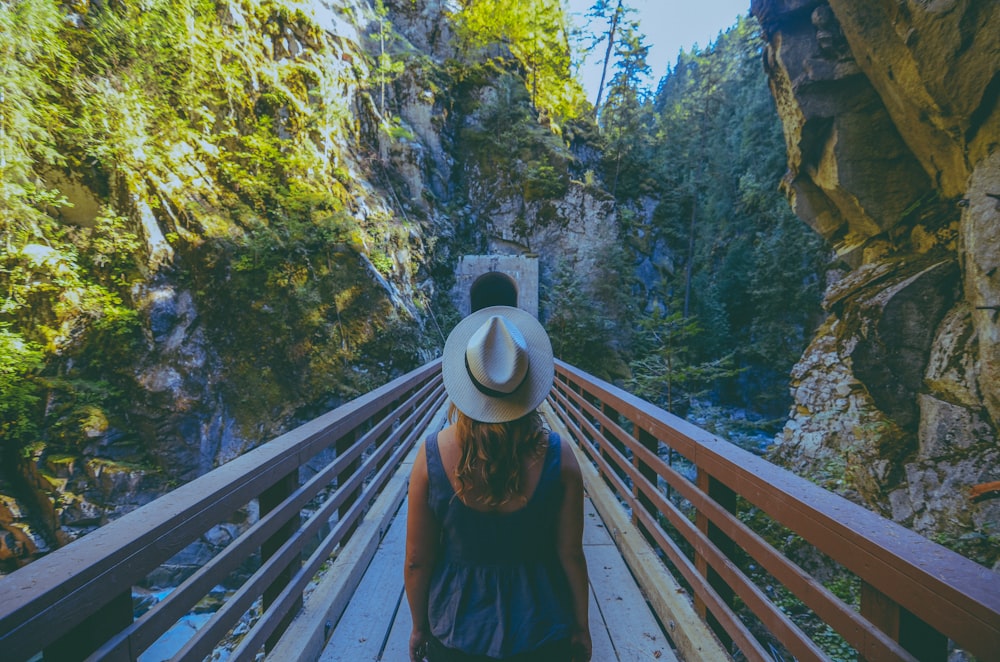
<point>494,551</point>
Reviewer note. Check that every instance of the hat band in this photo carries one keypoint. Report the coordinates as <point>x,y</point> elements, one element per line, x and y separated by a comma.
<point>486,390</point>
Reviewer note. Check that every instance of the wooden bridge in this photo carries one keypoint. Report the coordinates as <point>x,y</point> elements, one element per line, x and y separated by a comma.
<point>679,540</point>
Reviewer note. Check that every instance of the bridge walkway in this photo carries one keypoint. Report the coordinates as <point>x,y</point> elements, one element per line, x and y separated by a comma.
<point>375,624</point>
<point>681,524</point>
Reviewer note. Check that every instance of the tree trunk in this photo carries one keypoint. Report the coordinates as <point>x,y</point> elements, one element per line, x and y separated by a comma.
<point>607,56</point>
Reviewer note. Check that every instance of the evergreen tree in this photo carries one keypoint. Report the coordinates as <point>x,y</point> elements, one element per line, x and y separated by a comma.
<point>743,265</point>
<point>588,316</point>
<point>626,119</point>
<point>668,372</point>
<point>612,14</point>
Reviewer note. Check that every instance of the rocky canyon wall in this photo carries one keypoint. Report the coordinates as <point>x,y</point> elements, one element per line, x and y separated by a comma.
<point>294,245</point>
<point>892,126</point>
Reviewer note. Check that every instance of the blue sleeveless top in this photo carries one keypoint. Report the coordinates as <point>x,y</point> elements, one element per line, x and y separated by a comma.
<point>498,588</point>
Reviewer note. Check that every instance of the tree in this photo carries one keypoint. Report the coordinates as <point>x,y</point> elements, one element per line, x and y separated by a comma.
<point>743,265</point>
<point>536,34</point>
<point>602,10</point>
<point>667,372</point>
<point>626,120</point>
<point>580,332</point>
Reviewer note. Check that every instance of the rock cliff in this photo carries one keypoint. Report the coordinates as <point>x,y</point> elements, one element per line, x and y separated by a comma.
<point>891,114</point>
<point>293,218</point>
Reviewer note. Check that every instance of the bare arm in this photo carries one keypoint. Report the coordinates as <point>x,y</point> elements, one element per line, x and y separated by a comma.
<point>422,536</point>
<point>570,544</point>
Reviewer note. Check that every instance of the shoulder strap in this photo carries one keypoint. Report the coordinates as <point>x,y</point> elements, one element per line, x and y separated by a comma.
<point>439,487</point>
<point>553,459</point>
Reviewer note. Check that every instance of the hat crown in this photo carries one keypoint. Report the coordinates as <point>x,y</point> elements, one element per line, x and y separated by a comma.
<point>497,356</point>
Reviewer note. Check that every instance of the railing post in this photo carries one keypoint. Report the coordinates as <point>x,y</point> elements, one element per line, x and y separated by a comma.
<point>652,444</point>
<point>612,415</point>
<point>89,635</point>
<point>575,412</point>
<point>379,417</point>
<point>920,639</point>
<point>270,499</point>
<point>726,498</point>
<point>343,445</point>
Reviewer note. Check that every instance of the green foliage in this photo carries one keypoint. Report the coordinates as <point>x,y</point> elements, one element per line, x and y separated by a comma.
<point>110,249</point>
<point>626,118</point>
<point>587,316</point>
<point>123,98</point>
<point>579,332</point>
<point>511,149</point>
<point>534,32</point>
<point>744,265</point>
<point>19,392</point>
<point>667,374</point>
<point>544,182</point>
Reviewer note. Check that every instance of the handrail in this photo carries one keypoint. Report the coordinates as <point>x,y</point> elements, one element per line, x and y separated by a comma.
<point>77,602</point>
<point>915,593</point>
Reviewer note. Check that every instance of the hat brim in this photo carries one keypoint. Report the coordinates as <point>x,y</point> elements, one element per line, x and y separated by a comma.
<point>527,397</point>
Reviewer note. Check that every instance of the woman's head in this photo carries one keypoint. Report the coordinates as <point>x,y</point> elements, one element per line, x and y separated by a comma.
<point>497,364</point>
<point>497,369</point>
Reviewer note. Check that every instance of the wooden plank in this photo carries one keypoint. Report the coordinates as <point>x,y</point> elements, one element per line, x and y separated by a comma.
<point>397,645</point>
<point>365,625</point>
<point>633,629</point>
<point>601,645</point>
<point>595,535</point>
<point>594,532</point>
<point>689,634</point>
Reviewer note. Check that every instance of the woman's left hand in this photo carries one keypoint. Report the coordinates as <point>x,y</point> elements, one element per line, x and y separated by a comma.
<point>581,645</point>
<point>419,640</point>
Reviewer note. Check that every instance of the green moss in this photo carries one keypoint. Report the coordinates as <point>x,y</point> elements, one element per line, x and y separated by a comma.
<point>983,547</point>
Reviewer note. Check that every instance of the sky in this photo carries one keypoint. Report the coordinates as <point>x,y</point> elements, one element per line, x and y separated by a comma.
<point>669,26</point>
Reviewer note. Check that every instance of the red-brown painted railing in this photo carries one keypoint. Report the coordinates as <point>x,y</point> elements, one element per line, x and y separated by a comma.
<point>76,603</point>
<point>915,594</point>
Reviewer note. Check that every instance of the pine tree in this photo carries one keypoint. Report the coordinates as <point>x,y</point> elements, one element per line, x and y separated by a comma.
<point>626,120</point>
<point>743,265</point>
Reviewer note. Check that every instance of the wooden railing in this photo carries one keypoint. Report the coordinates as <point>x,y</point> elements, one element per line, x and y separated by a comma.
<point>705,506</point>
<point>76,603</point>
<point>700,502</point>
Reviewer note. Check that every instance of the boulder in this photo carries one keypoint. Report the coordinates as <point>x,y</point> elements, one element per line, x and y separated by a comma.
<point>897,320</point>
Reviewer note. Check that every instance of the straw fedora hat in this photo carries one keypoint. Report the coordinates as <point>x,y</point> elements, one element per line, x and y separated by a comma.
<point>497,364</point>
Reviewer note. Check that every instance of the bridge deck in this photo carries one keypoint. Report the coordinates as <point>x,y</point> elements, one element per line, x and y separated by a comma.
<point>376,622</point>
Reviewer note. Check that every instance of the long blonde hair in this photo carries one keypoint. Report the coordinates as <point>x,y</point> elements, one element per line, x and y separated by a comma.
<point>493,454</point>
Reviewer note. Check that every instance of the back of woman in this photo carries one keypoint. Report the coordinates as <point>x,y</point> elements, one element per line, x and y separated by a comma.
<point>495,566</point>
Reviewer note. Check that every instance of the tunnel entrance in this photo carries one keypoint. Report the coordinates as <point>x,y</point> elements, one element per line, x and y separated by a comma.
<point>493,289</point>
<point>495,280</point>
